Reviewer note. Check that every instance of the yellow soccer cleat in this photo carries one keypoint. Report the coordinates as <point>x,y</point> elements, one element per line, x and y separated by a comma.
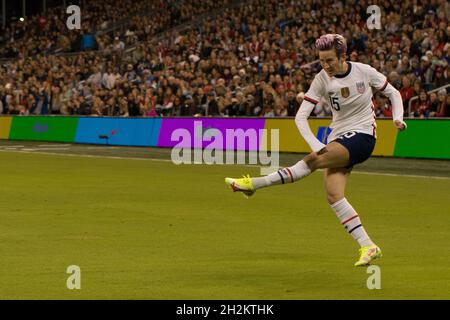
<point>243,185</point>
<point>367,254</point>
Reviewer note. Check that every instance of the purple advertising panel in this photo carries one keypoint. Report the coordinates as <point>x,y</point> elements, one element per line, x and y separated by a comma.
<point>209,133</point>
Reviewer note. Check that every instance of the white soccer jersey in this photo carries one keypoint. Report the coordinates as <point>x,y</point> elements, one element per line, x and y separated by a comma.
<point>350,97</point>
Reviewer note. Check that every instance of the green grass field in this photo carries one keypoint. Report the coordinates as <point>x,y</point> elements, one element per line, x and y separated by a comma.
<point>152,230</point>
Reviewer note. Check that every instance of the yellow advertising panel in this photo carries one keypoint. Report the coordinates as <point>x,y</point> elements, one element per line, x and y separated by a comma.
<point>291,140</point>
<point>386,138</point>
<point>5,126</point>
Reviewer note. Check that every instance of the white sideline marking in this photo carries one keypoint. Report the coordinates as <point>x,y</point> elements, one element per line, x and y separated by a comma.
<point>94,148</point>
<point>31,151</point>
<point>399,175</point>
<point>52,149</point>
<point>12,146</point>
<point>54,145</point>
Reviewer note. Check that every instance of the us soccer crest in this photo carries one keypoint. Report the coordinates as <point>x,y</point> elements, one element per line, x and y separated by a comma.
<point>361,87</point>
<point>345,92</point>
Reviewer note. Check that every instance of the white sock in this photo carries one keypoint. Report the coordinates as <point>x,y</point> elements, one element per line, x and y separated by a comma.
<point>287,175</point>
<point>351,222</point>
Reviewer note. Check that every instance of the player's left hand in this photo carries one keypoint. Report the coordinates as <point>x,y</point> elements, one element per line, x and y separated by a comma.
<point>400,125</point>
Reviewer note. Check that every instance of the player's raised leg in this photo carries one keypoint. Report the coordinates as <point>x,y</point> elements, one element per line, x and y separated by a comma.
<point>333,155</point>
<point>335,181</point>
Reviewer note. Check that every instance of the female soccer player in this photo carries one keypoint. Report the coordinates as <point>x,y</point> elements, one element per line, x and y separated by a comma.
<point>347,86</point>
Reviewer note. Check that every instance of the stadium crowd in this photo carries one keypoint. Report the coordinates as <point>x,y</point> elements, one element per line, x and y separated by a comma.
<point>256,59</point>
<point>49,34</point>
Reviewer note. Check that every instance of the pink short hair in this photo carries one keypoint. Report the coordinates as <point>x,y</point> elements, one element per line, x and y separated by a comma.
<point>332,41</point>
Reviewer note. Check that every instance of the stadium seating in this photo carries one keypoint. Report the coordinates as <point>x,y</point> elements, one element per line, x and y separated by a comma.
<point>224,58</point>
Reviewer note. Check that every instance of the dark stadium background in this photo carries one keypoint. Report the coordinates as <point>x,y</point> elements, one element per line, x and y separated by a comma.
<point>14,8</point>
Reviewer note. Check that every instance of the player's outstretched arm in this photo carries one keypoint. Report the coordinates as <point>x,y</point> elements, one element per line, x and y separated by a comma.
<point>301,120</point>
<point>378,81</point>
<point>397,106</point>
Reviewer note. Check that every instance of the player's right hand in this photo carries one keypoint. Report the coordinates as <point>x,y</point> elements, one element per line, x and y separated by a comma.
<point>401,126</point>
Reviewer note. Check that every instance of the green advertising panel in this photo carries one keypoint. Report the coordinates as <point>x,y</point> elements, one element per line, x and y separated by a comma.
<point>424,139</point>
<point>60,129</point>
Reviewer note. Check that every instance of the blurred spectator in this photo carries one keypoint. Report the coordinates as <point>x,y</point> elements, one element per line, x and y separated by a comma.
<point>407,92</point>
<point>434,105</point>
<point>212,107</point>
<point>293,103</point>
<point>440,77</point>
<point>421,107</point>
<point>383,107</point>
<point>444,103</point>
<point>268,112</point>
